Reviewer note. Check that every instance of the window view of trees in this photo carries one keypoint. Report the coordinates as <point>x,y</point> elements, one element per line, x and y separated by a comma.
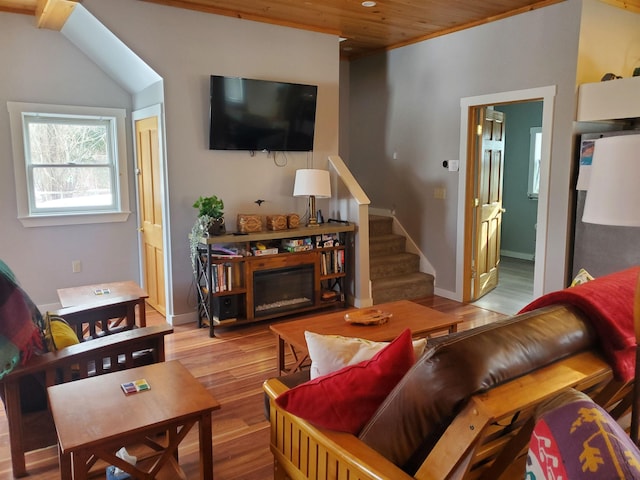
<point>70,163</point>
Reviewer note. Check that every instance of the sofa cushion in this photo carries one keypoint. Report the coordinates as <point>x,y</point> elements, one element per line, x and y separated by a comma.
<point>58,333</point>
<point>412,418</point>
<point>581,277</point>
<point>346,399</point>
<point>330,353</point>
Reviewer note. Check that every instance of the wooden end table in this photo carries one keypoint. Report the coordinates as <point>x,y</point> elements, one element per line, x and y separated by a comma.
<point>422,321</point>
<point>117,300</point>
<point>94,419</point>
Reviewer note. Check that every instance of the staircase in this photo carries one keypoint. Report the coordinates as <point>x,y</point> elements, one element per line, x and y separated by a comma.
<point>395,274</point>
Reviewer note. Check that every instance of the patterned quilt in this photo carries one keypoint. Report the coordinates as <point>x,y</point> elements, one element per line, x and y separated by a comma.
<point>21,323</point>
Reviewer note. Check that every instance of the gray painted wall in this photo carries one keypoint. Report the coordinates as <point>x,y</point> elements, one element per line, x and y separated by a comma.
<point>519,220</point>
<point>41,66</point>
<point>185,48</point>
<point>407,101</point>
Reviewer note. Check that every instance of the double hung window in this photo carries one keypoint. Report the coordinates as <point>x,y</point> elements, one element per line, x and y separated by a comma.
<point>70,164</point>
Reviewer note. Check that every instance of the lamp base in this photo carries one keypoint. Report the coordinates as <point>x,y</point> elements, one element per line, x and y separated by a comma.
<point>313,220</point>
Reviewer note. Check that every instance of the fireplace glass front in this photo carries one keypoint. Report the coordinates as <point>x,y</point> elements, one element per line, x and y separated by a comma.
<point>283,289</point>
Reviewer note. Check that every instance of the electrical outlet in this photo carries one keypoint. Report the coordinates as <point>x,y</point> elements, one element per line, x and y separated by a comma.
<point>76,266</point>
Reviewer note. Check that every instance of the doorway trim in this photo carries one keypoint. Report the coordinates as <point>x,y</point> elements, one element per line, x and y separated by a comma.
<point>156,111</point>
<point>547,96</point>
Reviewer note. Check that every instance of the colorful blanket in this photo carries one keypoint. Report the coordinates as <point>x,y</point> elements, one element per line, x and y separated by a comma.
<point>21,323</point>
<point>608,302</point>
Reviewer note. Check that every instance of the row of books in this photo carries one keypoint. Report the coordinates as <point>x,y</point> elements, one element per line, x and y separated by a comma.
<point>222,277</point>
<point>332,262</point>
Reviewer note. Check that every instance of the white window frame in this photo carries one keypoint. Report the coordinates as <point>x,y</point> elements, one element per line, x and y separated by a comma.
<point>38,218</point>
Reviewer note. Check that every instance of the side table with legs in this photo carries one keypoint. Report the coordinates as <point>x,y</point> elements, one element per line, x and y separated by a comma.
<point>94,419</point>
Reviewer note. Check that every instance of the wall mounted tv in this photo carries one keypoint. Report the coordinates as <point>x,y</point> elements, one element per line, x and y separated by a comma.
<point>257,115</point>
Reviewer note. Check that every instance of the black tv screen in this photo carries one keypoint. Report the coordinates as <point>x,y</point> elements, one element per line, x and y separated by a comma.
<point>256,115</point>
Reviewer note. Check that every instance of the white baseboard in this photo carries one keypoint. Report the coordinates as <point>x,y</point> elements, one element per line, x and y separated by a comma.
<point>441,292</point>
<point>183,319</point>
<point>519,255</point>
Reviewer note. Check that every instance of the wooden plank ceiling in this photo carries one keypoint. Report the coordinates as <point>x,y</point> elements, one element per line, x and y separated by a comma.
<point>387,24</point>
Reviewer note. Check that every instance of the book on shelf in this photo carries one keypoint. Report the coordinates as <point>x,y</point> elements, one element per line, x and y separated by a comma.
<point>266,251</point>
<point>222,277</point>
<point>218,256</point>
<point>332,262</point>
<point>297,242</point>
<point>298,248</point>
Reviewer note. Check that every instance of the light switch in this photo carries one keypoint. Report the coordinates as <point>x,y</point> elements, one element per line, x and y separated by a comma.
<point>440,193</point>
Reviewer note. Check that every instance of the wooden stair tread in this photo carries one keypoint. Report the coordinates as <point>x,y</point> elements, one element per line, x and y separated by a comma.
<point>394,272</point>
<point>401,280</point>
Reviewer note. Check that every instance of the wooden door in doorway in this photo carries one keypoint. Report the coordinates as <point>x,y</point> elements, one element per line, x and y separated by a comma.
<point>150,208</point>
<point>488,209</point>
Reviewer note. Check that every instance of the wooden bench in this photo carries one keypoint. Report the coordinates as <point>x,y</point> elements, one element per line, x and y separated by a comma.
<point>30,430</point>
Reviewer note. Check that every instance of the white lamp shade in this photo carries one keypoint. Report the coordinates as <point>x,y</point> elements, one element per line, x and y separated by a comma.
<point>314,182</point>
<point>613,194</point>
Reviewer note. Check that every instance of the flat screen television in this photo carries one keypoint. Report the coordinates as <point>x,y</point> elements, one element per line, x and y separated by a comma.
<point>257,115</point>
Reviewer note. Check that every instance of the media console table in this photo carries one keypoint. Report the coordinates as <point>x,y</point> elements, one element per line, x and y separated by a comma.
<point>274,273</point>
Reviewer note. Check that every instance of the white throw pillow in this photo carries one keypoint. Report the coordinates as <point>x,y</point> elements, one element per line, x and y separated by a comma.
<point>330,353</point>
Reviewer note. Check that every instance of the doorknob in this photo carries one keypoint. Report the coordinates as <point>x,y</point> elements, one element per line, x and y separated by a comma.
<point>503,210</point>
<point>140,229</point>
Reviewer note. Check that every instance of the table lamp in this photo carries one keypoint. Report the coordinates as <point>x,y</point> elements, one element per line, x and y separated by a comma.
<point>312,183</point>
<point>613,198</point>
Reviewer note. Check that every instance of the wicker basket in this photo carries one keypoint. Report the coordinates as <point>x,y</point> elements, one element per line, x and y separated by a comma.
<point>293,220</point>
<point>249,223</point>
<point>276,222</point>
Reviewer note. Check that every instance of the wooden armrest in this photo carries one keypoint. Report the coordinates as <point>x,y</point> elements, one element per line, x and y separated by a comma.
<point>488,439</point>
<point>343,452</point>
<point>496,425</point>
<point>127,341</point>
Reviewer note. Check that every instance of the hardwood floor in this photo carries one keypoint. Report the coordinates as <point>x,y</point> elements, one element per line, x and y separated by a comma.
<point>514,290</point>
<point>233,366</point>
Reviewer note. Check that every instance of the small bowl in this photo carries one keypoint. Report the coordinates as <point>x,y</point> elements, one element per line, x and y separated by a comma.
<point>368,316</point>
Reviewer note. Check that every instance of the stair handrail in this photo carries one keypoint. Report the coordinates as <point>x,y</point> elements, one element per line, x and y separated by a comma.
<point>350,202</point>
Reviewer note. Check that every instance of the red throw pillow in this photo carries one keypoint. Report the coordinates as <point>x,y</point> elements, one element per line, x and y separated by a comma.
<point>346,399</point>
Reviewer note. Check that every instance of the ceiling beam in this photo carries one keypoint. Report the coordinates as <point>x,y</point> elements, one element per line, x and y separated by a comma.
<point>53,14</point>
<point>630,5</point>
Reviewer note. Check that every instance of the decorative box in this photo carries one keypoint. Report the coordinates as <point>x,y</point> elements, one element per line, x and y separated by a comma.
<point>293,220</point>
<point>276,222</point>
<point>249,223</point>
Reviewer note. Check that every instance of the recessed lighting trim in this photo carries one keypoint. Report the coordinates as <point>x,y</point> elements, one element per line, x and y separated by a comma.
<point>368,4</point>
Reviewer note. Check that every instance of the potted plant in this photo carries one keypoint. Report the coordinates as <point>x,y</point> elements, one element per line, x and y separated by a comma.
<point>212,209</point>
<point>200,229</point>
<point>210,221</point>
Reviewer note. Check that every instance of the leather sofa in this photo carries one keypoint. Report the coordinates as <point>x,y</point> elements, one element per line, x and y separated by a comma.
<point>464,410</point>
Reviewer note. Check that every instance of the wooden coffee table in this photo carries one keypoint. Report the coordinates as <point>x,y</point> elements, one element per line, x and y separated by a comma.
<point>422,321</point>
<point>94,419</point>
<point>116,300</point>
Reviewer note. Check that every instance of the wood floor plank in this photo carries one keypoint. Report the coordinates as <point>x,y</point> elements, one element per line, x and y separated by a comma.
<point>232,366</point>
